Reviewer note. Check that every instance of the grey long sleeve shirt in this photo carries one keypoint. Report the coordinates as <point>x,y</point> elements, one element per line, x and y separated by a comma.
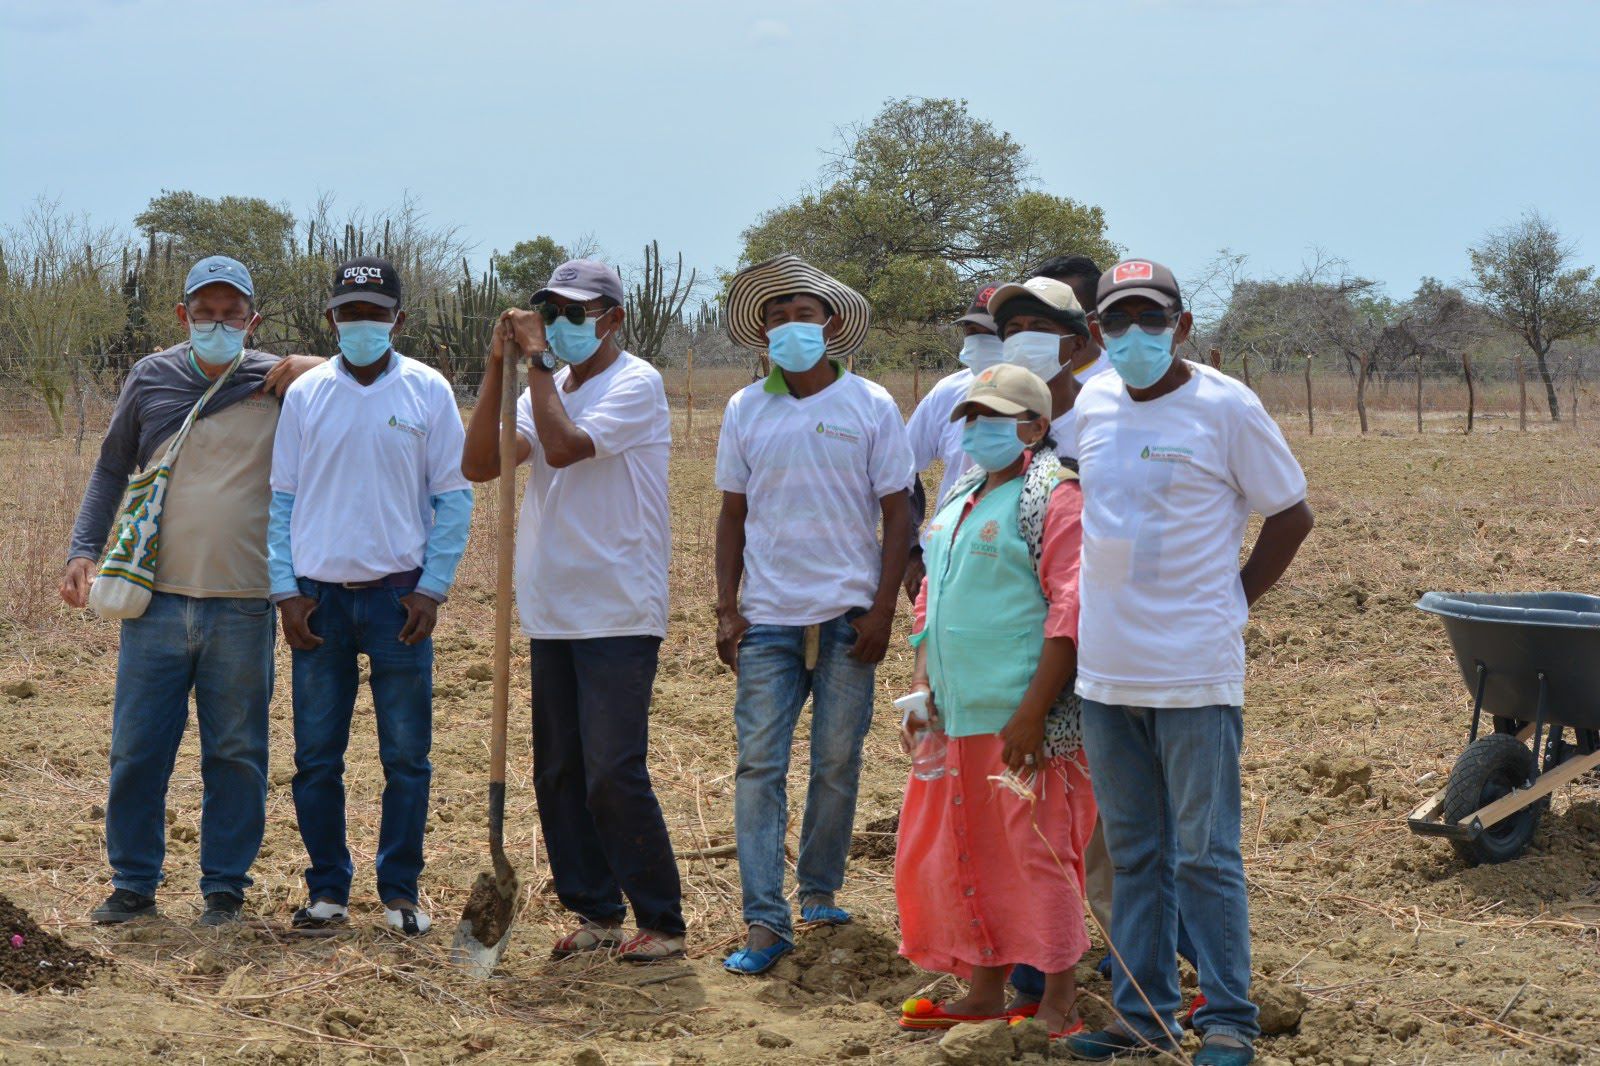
<point>156,397</point>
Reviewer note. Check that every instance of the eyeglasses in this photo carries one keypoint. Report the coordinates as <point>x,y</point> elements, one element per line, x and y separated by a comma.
<point>574,313</point>
<point>205,326</point>
<point>1152,320</point>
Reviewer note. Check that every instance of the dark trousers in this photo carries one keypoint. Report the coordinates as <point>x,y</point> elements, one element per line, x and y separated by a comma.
<point>602,824</point>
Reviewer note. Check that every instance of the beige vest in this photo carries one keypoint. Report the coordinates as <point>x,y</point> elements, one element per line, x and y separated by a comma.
<point>214,520</point>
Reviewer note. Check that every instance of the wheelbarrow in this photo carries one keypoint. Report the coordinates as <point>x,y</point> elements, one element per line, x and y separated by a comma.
<point>1532,664</point>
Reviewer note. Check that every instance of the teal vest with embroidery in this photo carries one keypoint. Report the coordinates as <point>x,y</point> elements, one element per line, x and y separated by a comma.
<point>986,613</point>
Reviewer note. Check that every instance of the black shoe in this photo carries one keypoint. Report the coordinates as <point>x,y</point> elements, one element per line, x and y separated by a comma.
<point>123,905</point>
<point>222,908</point>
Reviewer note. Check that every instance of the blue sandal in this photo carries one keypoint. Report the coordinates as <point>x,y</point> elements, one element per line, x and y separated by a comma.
<point>751,961</point>
<point>825,913</point>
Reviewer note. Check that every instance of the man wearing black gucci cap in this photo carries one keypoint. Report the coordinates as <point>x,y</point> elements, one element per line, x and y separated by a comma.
<point>368,521</point>
<point>591,576</point>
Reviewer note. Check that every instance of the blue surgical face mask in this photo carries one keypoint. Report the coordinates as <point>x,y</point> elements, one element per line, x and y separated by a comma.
<point>991,441</point>
<point>797,346</point>
<point>573,344</point>
<point>219,347</point>
<point>363,343</point>
<point>1140,358</point>
<point>980,351</point>
<point>1038,352</point>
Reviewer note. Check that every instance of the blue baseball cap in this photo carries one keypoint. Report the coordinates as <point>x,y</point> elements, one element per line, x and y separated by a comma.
<point>214,268</point>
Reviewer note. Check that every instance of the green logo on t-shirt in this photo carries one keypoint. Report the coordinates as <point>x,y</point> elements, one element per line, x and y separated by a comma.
<point>1146,453</point>
<point>416,429</point>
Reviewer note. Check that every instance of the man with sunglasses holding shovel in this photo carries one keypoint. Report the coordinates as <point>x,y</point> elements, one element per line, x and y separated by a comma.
<point>593,541</point>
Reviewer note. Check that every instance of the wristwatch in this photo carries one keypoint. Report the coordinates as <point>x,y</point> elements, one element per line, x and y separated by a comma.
<point>542,360</point>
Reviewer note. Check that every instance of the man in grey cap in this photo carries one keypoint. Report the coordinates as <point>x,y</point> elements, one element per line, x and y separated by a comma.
<point>208,628</point>
<point>593,541</point>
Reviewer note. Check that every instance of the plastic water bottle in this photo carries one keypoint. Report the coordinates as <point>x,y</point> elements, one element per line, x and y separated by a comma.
<point>928,745</point>
<point>927,758</point>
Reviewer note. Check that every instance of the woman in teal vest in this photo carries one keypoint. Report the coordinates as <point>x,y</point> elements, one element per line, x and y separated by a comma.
<point>989,867</point>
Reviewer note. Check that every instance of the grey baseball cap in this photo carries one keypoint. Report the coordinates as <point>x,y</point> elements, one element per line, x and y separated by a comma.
<point>582,279</point>
<point>219,268</point>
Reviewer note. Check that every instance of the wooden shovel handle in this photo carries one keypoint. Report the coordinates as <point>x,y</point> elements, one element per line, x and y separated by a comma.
<point>505,547</point>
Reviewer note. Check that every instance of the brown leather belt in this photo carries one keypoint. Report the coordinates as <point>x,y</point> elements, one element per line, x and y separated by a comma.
<point>408,579</point>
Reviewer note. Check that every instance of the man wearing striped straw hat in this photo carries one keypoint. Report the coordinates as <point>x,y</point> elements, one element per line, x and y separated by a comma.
<point>809,461</point>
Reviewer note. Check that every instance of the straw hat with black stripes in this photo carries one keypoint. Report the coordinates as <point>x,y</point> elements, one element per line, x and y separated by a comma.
<point>789,275</point>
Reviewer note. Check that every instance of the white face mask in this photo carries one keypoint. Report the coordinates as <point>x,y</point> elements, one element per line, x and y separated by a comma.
<point>981,351</point>
<point>1038,352</point>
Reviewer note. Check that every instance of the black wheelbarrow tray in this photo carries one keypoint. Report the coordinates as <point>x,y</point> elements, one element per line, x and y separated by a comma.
<point>1532,664</point>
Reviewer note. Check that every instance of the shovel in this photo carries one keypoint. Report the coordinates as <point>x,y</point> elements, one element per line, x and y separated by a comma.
<point>485,926</point>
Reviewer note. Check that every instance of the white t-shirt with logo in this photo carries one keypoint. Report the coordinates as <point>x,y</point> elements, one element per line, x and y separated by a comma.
<point>813,470</point>
<point>934,436</point>
<point>593,538</point>
<point>361,462</point>
<point>1062,429</point>
<point>1167,487</point>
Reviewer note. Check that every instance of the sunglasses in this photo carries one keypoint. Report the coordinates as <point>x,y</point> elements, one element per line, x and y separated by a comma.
<point>1152,320</point>
<point>574,313</point>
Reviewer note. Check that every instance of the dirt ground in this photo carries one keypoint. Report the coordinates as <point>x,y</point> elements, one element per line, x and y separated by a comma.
<point>1371,945</point>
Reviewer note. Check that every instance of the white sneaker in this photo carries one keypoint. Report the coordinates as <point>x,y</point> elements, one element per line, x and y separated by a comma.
<point>408,920</point>
<point>320,913</point>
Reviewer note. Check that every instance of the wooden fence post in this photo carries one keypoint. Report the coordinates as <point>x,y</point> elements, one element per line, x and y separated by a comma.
<point>916,378</point>
<point>1419,392</point>
<point>1572,361</point>
<point>1466,368</point>
<point>1361,392</point>
<point>1245,359</point>
<point>1311,419</point>
<point>688,406</point>
<point>1522,390</point>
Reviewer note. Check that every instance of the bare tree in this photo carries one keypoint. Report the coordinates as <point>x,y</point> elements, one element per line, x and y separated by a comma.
<point>1522,274</point>
<point>60,303</point>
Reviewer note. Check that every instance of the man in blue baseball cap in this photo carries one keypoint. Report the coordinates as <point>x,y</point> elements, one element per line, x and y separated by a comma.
<point>209,627</point>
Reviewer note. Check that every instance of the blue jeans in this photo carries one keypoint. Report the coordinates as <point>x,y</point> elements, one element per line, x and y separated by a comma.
<point>772,688</point>
<point>221,649</point>
<point>1030,982</point>
<point>598,812</point>
<point>352,622</point>
<point>1167,781</point>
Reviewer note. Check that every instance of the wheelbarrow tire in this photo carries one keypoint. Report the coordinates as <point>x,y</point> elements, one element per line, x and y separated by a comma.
<point>1491,767</point>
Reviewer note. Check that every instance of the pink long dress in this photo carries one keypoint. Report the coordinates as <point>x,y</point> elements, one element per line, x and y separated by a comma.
<point>983,876</point>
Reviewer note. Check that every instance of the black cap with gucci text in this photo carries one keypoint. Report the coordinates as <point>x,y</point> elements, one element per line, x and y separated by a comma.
<point>366,279</point>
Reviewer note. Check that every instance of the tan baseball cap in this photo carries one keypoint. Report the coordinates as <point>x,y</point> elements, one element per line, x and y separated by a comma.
<point>1006,389</point>
<point>1059,301</point>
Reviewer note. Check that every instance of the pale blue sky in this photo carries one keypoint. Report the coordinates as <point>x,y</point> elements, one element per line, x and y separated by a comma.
<point>1392,134</point>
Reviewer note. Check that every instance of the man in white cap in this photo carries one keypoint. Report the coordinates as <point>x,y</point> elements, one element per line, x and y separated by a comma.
<point>593,542</point>
<point>809,462</point>
<point>933,435</point>
<point>1173,458</point>
<point>209,627</point>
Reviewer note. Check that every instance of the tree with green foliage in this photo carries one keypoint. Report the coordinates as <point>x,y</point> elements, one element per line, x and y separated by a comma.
<point>1527,284</point>
<point>919,204</point>
<point>524,270</point>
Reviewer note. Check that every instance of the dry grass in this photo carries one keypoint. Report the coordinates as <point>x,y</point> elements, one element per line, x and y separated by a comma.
<point>1401,953</point>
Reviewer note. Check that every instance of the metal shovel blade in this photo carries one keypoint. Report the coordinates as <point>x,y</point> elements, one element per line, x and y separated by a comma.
<point>485,926</point>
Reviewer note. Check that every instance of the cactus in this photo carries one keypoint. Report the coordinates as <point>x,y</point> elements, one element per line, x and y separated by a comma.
<point>463,327</point>
<point>652,307</point>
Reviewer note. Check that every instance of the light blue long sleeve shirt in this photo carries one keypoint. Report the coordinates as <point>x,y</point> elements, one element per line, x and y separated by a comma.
<point>447,543</point>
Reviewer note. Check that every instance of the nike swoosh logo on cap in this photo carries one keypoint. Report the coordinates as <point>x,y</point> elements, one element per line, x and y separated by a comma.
<point>213,268</point>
